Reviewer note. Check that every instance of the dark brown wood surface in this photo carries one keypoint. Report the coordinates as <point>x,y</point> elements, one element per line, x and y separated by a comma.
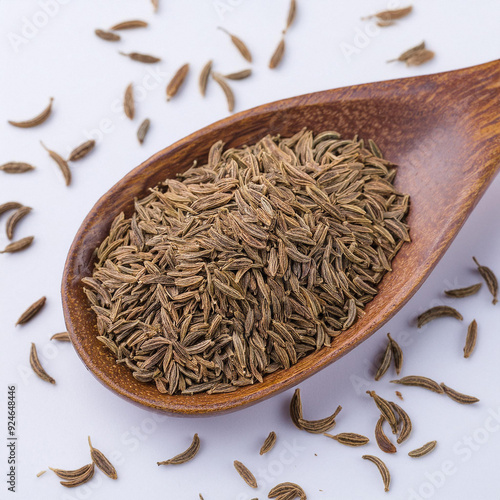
<point>443,131</point>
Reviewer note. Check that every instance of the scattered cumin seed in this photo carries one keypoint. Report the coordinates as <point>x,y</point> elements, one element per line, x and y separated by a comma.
<point>61,337</point>
<point>397,354</point>
<point>404,421</point>
<point>490,279</point>
<point>203,79</point>
<point>226,89</point>
<point>394,14</point>
<point>438,312</point>
<point>383,442</point>
<point>385,363</point>
<point>296,409</point>
<point>16,167</point>
<point>277,54</point>
<point>37,366</point>
<point>349,438</point>
<point>420,58</point>
<point>245,474</point>
<point>239,44</point>
<point>313,426</point>
<point>384,471</point>
<point>287,491</point>
<point>127,25</point>
<point>239,75</point>
<point>410,52</point>
<point>292,12</point>
<point>128,101</point>
<point>32,311</point>
<point>415,56</point>
<point>269,443</point>
<point>385,409</point>
<point>9,205</point>
<point>423,450</point>
<point>418,381</point>
<point>467,291</point>
<point>82,479</point>
<point>143,58</point>
<point>177,81</point>
<point>463,399</point>
<point>143,130</point>
<point>107,35</point>
<point>470,341</point>
<point>102,462</point>
<point>37,120</point>
<point>320,426</point>
<point>82,150</point>
<point>61,163</point>
<point>14,219</point>
<point>69,475</point>
<point>185,456</point>
<point>19,245</point>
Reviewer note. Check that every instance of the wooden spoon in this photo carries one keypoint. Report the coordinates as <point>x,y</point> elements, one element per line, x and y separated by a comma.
<point>443,131</point>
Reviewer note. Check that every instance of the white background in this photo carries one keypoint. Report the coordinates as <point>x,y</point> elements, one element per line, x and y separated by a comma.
<point>64,59</point>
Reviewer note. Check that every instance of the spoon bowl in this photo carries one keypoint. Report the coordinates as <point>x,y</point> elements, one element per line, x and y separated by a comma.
<point>443,130</point>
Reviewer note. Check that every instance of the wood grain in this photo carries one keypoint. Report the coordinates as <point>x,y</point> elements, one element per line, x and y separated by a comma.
<point>444,132</point>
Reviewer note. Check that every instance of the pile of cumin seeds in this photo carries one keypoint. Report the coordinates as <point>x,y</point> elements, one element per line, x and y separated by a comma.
<point>244,265</point>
